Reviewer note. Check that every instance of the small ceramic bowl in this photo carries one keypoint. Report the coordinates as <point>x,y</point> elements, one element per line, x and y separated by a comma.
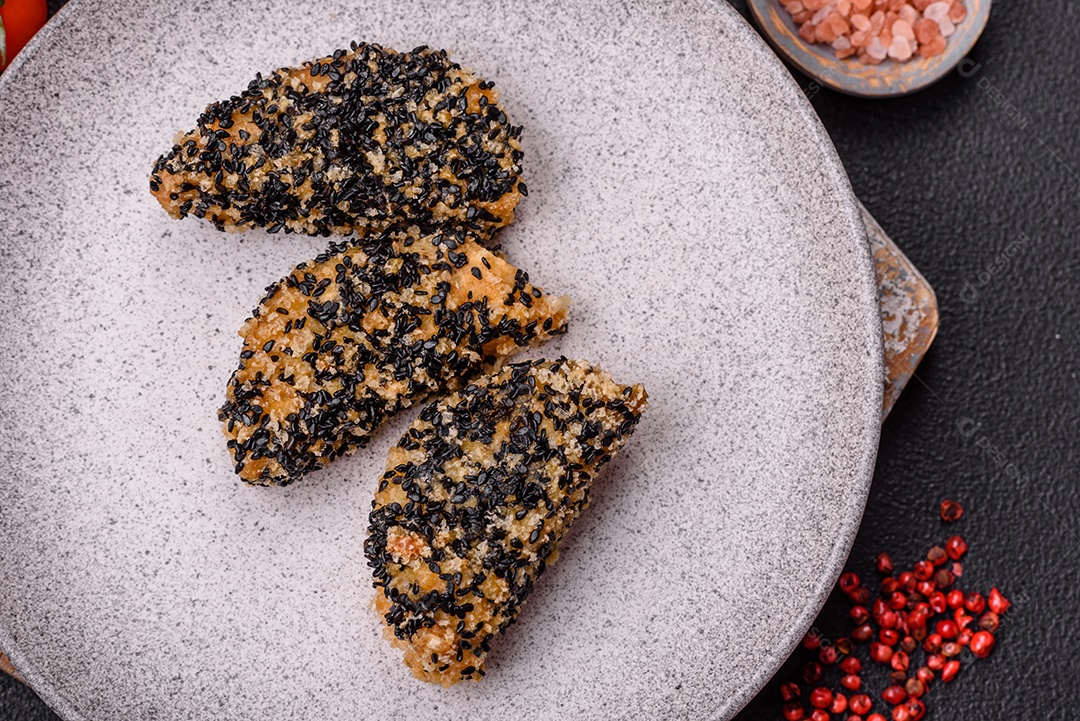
<point>890,78</point>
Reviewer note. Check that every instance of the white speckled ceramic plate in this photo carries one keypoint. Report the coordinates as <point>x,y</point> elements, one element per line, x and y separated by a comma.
<point>682,193</point>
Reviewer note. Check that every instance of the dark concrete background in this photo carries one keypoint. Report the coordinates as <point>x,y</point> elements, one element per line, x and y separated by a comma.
<point>978,180</point>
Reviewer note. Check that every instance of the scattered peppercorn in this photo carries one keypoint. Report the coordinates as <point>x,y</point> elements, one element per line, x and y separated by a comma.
<point>951,511</point>
<point>821,697</point>
<point>848,582</point>
<point>998,603</point>
<point>860,704</point>
<point>839,704</point>
<point>889,636</point>
<point>917,611</point>
<point>851,665</point>
<point>915,688</point>
<point>863,633</point>
<point>956,547</point>
<point>989,622</point>
<point>982,643</point>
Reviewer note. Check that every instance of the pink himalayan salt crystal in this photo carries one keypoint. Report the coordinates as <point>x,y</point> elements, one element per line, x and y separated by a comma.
<point>839,24</point>
<point>900,48</point>
<point>843,47</point>
<point>909,14</point>
<point>885,37</point>
<point>935,47</point>
<point>936,11</point>
<point>878,29</point>
<point>926,31</point>
<point>876,50</point>
<point>877,22</point>
<point>866,59</point>
<point>824,33</point>
<point>902,29</point>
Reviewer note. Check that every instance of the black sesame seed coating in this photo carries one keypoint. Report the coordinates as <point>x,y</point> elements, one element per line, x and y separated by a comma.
<point>477,495</point>
<point>364,330</point>
<point>357,141</point>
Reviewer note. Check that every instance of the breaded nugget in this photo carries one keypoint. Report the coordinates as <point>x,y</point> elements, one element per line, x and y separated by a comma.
<point>365,330</point>
<point>357,141</point>
<point>475,498</point>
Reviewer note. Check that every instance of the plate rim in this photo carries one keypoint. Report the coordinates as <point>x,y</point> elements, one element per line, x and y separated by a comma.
<point>868,436</point>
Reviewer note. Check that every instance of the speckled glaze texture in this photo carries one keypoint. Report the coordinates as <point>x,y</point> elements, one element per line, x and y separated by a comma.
<point>850,76</point>
<point>681,192</point>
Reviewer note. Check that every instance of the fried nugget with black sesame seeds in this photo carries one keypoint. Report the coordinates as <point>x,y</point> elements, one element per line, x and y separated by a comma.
<point>365,330</point>
<point>477,495</point>
<point>354,142</point>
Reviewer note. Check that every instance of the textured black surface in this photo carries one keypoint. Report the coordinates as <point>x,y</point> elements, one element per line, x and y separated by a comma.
<point>977,180</point>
